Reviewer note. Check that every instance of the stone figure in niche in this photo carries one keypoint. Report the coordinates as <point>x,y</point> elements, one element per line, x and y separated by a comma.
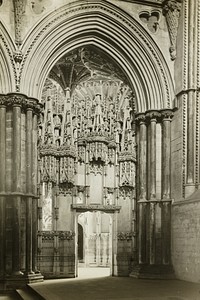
<point>109,199</point>
<point>98,112</point>
<point>57,121</point>
<point>47,210</point>
<point>79,198</point>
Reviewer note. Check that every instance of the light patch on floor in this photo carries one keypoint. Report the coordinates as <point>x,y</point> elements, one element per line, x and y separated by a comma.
<point>93,272</point>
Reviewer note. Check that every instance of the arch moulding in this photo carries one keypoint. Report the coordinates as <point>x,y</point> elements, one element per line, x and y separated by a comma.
<point>106,26</point>
<point>8,72</point>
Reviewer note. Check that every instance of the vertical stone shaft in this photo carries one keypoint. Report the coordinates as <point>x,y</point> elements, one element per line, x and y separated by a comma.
<point>166,231</point>
<point>142,188</point>
<point>142,158</point>
<point>35,200</point>
<point>142,232</point>
<point>29,130</point>
<point>152,116</point>
<point>2,148</point>
<point>166,153</point>
<point>152,232</point>
<point>166,191</point>
<point>2,186</point>
<point>153,158</point>
<point>16,189</point>
<point>191,95</point>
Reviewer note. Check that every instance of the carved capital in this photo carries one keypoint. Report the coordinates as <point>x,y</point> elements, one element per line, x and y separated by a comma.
<point>167,114</point>
<point>2,101</point>
<point>140,118</point>
<point>16,100</point>
<point>153,115</point>
<point>20,100</point>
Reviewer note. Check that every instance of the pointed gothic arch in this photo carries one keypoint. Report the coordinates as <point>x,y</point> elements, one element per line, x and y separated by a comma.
<point>7,65</point>
<point>106,26</point>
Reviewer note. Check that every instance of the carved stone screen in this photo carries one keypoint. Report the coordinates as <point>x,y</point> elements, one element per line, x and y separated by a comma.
<point>87,158</point>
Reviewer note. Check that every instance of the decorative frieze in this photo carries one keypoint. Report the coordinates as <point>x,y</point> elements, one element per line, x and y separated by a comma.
<point>62,235</point>
<point>93,207</point>
<point>127,192</point>
<point>49,149</point>
<point>66,235</point>
<point>65,189</point>
<point>125,236</point>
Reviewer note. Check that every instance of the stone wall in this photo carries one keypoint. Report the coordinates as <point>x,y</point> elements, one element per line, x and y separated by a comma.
<point>186,240</point>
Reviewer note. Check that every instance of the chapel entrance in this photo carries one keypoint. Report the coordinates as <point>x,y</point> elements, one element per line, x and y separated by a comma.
<point>87,166</point>
<point>94,244</point>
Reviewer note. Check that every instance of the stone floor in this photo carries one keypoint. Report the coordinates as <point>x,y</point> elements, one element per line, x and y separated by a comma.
<point>92,286</point>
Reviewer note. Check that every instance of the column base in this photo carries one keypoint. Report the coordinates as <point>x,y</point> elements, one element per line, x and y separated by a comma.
<point>146,271</point>
<point>12,282</point>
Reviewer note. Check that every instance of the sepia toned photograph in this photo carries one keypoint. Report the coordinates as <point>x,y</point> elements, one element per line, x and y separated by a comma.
<point>100,149</point>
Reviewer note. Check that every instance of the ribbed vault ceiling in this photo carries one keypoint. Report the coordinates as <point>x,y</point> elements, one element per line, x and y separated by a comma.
<point>85,64</point>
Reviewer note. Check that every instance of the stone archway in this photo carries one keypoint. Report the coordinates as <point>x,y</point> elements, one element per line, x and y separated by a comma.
<point>86,151</point>
<point>134,51</point>
<point>108,28</point>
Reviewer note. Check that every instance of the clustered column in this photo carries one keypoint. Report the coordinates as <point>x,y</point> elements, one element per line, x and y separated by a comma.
<point>150,204</point>
<point>18,189</point>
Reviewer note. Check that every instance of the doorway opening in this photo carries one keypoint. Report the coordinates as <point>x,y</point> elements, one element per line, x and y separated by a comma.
<point>94,245</point>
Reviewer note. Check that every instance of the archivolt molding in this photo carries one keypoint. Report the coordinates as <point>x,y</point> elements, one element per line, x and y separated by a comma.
<point>8,74</point>
<point>106,26</point>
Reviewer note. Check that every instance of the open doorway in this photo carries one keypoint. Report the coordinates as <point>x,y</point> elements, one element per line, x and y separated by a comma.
<point>94,245</point>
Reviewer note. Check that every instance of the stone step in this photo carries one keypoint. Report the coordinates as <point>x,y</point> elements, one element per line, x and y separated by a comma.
<point>11,295</point>
<point>27,293</point>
